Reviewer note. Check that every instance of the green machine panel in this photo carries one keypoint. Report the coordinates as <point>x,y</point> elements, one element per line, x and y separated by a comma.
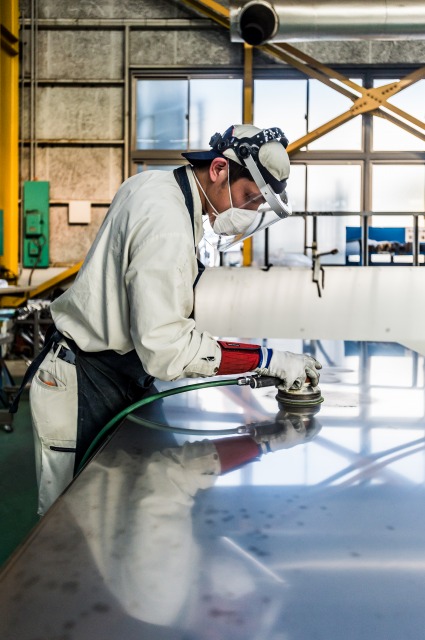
<point>36,224</point>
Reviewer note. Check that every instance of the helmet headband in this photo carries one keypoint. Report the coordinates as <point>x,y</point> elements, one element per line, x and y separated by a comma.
<point>246,147</point>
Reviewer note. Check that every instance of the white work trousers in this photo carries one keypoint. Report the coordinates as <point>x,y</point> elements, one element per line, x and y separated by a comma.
<point>54,412</point>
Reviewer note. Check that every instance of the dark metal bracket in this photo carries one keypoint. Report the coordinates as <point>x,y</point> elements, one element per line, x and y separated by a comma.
<point>318,270</point>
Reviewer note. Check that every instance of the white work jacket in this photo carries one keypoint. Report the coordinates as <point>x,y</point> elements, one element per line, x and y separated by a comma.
<point>135,288</point>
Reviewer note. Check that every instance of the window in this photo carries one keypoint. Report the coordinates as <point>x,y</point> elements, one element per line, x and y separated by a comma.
<point>388,136</point>
<point>324,104</point>
<point>300,106</point>
<point>281,104</point>
<point>326,188</point>
<point>161,114</point>
<point>174,115</point>
<point>397,188</point>
<point>341,186</point>
<point>213,106</point>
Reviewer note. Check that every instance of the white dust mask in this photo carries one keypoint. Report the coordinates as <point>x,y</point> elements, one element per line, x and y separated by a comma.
<point>232,221</point>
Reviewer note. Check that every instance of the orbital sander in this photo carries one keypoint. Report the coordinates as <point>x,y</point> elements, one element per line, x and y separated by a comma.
<point>306,400</point>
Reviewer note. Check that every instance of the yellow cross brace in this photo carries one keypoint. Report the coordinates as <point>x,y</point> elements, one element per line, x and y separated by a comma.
<point>364,100</point>
<point>372,101</point>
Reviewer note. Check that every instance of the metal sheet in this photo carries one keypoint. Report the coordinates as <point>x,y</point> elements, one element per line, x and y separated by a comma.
<point>325,540</point>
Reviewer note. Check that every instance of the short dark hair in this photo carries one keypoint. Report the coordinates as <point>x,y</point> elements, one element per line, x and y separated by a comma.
<point>236,170</point>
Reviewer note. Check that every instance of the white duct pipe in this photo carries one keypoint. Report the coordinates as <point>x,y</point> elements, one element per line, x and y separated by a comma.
<point>259,21</point>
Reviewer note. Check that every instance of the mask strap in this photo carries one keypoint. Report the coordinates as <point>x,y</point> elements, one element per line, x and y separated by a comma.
<point>228,184</point>
<point>214,210</point>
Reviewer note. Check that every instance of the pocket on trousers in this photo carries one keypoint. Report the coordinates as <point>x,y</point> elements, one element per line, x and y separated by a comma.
<point>54,409</point>
<point>46,379</point>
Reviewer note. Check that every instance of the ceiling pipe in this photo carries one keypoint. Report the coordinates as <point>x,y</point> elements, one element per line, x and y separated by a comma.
<point>258,21</point>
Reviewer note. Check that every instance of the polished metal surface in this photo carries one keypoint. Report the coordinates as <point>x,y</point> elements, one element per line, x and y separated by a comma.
<point>299,20</point>
<point>325,540</point>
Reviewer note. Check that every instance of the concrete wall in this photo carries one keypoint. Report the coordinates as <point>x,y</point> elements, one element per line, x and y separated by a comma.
<point>80,102</point>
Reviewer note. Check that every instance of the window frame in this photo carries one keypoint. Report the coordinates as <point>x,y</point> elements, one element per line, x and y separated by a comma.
<point>366,156</point>
<point>160,157</point>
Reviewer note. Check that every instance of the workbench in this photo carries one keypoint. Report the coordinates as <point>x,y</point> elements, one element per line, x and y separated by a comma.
<point>325,540</point>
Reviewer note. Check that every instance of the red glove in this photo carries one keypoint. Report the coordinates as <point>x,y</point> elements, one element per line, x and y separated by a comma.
<point>237,357</point>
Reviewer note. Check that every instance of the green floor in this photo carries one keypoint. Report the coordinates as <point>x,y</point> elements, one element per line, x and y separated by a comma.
<point>18,490</point>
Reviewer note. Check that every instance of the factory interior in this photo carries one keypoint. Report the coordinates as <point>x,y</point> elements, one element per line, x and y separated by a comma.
<point>150,537</point>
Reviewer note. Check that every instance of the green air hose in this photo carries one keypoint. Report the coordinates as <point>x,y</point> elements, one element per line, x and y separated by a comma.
<point>155,425</point>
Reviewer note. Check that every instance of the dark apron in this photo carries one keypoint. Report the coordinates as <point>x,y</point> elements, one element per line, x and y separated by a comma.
<point>107,381</point>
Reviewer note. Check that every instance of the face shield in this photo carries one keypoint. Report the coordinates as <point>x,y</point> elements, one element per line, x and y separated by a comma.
<point>264,218</point>
<point>263,153</point>
<point>276,207</point>
<point>248,152</point>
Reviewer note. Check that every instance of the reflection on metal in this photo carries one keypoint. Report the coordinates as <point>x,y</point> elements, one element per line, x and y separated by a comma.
<point>145,544</point>
<point>372,464</point>
<point>258,21</point>
<point>252,559</point>
<point>245,401</point>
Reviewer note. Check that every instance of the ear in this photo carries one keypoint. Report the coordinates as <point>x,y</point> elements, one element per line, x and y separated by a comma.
<point>218,169</point>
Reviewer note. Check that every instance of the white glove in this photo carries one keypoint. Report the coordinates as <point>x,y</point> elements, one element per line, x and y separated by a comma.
<point>291,368</point>
<point>294,430</point>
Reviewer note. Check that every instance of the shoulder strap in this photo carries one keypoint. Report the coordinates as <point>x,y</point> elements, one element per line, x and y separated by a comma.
<point>183,182</point>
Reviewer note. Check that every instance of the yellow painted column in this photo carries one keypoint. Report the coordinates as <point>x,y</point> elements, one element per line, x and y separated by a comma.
<point>9,133</point>
<point>247,119</point>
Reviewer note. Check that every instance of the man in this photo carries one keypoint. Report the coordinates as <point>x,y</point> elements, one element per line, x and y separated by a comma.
<point>128,317</point>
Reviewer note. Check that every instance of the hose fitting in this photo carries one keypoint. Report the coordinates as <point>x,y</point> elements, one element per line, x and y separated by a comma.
<point>257,382</point>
